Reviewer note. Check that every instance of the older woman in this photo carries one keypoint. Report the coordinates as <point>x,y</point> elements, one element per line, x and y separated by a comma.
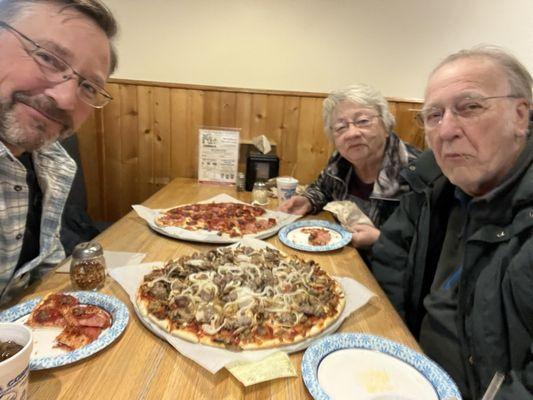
<point>366,164</point>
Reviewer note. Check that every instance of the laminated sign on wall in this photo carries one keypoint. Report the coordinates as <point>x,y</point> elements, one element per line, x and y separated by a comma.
<point>218,155</point>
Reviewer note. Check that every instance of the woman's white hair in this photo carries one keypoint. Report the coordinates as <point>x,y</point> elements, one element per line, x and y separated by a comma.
<point>362,94</point>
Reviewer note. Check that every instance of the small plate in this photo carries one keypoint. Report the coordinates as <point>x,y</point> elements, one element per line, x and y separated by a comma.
<point>292,236</point>
<point>50,357</point>
<point>355,365</point>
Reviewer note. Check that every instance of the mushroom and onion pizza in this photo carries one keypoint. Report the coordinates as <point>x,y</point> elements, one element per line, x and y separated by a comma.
<point>233,219</point>
<point>241,298</point>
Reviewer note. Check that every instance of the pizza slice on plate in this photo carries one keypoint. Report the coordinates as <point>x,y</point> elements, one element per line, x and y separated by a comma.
<point>51,309</point>
<point>318,236</point>
<point>74,337</point>
<point>81,323</point>
<point>89,316</point>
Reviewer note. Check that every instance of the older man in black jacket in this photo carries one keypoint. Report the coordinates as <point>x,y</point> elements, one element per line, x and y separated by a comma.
<point>456,258</point>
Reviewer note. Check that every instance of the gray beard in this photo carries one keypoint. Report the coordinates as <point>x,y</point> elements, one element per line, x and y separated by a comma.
<point>13,134</point>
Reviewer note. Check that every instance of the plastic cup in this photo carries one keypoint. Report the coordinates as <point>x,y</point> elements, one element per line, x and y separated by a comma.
<point>286,187</point>
<point>14,371</point>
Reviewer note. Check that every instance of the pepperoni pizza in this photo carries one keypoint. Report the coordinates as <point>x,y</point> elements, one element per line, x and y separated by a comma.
<point>233,219</point>
<point>81,323</point>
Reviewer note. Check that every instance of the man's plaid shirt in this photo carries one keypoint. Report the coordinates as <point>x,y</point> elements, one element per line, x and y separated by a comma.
<point>55,172</point>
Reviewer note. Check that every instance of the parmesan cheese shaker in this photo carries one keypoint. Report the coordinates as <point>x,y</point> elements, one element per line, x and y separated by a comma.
<point>240,182</point>
<point>87,267</point>
<point>260,193</point>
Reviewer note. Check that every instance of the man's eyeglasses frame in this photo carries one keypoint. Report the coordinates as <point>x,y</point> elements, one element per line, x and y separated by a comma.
<point>53,67</point>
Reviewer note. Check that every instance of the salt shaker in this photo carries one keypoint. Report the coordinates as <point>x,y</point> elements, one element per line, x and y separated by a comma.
<point>260,193</point>
<point>240,182</point>
<point>87,267</point>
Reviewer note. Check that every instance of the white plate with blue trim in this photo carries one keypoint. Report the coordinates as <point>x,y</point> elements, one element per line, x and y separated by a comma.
<point>45,355</point>
<point>366,367</point>
<point>295,235</point>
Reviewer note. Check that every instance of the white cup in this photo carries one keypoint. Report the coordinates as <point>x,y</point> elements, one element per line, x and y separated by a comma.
<point>14,371</point>
<point>286,187</point>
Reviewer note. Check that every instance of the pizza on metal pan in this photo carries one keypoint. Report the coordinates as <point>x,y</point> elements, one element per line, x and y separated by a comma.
<point>241,298</point>
<point>233,219</point>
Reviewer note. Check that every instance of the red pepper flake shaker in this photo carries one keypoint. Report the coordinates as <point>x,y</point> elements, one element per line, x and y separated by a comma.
<point>87,267</point>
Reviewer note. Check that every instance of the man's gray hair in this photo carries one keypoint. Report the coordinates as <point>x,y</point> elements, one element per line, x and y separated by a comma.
<point>362,94</point>
<point>95,10</point>
<point>518,76</point>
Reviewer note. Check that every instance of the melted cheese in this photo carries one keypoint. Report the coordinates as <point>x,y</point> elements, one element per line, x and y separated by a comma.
<point>242,284</point>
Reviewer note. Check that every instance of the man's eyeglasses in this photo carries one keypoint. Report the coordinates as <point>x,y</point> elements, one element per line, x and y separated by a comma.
<point>361,122</point>
<point>57,70</point>
<point>465,108</point>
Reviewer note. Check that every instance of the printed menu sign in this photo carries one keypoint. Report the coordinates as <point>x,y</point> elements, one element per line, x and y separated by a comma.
<point>218,155</point>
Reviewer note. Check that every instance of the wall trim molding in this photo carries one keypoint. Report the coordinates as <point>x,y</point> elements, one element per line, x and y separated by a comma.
<point>236,90</point>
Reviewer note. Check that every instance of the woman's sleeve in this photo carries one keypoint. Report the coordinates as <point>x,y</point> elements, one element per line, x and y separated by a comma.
<point>319,193</point>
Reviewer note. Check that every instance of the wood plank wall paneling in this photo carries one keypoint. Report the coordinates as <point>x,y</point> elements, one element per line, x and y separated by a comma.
<point>148,135</point>
<point>143,135</point>
<point>406,126</point>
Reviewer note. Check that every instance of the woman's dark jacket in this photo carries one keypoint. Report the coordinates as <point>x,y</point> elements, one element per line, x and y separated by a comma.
<point>332,183</point>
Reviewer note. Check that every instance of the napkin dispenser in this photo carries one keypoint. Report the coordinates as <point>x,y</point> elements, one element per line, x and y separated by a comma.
<point>260,166</point>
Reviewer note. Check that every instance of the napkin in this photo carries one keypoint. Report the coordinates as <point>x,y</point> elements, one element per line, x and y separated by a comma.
<point>262,144</point>
<point>213,359</point>
<point>277,365</point>
<point>348,213</point>
<point>113,259</point>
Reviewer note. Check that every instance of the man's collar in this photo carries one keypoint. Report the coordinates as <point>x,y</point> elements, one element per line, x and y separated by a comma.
<point>462,197</point>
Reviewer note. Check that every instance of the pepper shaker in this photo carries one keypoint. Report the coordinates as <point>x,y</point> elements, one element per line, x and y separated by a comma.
<point>87,267</point>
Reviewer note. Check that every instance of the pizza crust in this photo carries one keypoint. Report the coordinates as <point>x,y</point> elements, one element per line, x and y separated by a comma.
<point>142,304</point>
<point>316,330</point>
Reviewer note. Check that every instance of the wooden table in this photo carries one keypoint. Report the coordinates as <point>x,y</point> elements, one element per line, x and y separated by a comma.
<point>139,365</point>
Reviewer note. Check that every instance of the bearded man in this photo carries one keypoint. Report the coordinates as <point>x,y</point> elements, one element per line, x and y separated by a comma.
<point>55,57</point>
